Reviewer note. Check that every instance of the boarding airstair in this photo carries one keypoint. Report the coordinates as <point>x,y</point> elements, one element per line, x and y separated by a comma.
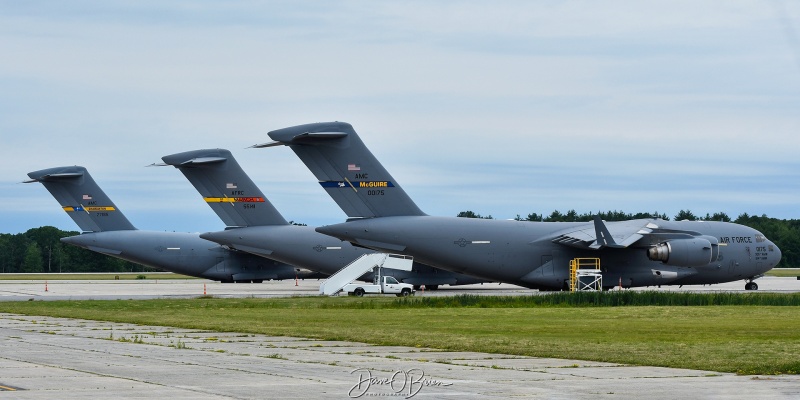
<point>585,274</point>
<point>362,265</point>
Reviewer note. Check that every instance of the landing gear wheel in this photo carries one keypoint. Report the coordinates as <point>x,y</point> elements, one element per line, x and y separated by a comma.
<point>431,287</point>
<point>359,292</point>
<point>751,286</point>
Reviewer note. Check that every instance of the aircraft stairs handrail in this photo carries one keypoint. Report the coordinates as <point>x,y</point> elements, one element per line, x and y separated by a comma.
<point>360,266</point>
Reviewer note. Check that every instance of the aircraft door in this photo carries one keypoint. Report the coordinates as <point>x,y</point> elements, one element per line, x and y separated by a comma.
<point>221,264</point>
<point>547,270</point>
<point>732,267</point>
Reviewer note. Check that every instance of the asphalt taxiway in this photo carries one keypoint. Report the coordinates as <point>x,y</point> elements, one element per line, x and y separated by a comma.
<point>188,288</point>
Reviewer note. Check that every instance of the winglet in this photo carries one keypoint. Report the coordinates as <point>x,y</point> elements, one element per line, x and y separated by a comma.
<point>603,237</point>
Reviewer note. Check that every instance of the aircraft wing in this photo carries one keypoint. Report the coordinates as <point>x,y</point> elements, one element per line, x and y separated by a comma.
<point>620,234</point>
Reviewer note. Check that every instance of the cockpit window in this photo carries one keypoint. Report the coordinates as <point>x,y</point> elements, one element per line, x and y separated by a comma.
<point>760,238</point>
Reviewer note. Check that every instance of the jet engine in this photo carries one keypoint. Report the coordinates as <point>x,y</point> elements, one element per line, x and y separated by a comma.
<point>694,252</point>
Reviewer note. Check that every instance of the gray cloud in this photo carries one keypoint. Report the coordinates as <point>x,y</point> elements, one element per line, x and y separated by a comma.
<point>503,108</point>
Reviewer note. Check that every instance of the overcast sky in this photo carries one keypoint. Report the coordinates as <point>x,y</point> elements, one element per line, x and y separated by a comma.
<point>501,108</point>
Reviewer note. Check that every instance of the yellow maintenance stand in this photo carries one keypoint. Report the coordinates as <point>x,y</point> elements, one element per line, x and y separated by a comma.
<point>585,274</point>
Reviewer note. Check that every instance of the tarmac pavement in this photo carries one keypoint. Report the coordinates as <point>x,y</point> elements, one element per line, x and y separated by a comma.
<point>59,358</point>
<point>188,288</point>
<point>44,357</point>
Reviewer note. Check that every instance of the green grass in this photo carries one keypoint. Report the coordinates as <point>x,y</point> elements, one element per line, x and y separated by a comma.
<point>600,299</point>
<point>784,272</point>
<point>92,276</point>
<point>751,339</point>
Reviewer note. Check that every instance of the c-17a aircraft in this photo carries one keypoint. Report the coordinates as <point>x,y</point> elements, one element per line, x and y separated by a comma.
<point>255,226</point>
<point>642,252</point>
<point>108,231</point>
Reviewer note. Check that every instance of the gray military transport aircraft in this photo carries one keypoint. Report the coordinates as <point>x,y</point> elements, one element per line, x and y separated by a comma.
<point>255,226</point>
<point>642,252</point>
<point>108,231</point>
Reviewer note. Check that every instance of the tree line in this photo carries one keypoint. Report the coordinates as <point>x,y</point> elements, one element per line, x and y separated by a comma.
<point>784,233</point>
<point>40,250</point>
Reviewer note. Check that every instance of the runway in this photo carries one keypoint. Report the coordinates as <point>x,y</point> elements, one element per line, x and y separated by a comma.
<point>188,288</point>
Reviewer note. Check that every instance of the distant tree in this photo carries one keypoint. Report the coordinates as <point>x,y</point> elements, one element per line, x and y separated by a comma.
<point>33,259</point>
<point>534,217</point>
<point>471,214</point>
<point>48,239</point>
<point>14,254</point>
<point>742,217</point>
<point>46,235</point>
<point>18,255</point>
<point>685,215</point>
<point>571,216</point>
<point>555,216</point>
<point>614,216</point>
<point>655,215</point>
<point>5,251</point>
<point>297,223</point>
<point>718,216</point>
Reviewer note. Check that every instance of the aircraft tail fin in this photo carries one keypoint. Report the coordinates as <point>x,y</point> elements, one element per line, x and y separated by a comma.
<point>226,188</point>
<point>347,170</point>
<point>82,199</point>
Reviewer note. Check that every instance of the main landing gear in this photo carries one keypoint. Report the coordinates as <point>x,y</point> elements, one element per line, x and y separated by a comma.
<point>750,286</point>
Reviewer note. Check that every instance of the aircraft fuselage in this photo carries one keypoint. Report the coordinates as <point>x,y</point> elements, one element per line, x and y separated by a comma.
<point>302,246</point>
<point>184,253</point>
<point>523,252</point>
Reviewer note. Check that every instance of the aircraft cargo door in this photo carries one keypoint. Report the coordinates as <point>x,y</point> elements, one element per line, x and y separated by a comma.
<point>547,266</point>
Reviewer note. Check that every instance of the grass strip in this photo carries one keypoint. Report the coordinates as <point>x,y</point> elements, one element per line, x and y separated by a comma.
<point>784,272</point>
<point>602,299</point>
<point>745,339</point>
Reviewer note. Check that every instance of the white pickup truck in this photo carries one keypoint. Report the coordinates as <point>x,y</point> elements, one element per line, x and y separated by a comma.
<point>387,285</point>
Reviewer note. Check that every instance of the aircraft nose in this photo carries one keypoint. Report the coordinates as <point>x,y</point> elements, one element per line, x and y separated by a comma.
<point>776,253</point>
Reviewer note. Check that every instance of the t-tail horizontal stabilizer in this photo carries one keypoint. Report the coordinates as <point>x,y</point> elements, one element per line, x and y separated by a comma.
<point>82,199</point>
<point>346,169</point>
<point>226,188</point>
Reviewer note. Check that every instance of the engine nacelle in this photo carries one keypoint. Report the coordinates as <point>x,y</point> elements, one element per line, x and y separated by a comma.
<point>694,252</point>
